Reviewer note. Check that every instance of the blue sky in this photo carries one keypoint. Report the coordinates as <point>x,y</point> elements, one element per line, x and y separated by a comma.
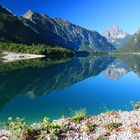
<point>92,14</point>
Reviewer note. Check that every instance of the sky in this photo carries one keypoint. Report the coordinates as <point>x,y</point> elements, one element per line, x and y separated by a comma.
<point>91,14</point>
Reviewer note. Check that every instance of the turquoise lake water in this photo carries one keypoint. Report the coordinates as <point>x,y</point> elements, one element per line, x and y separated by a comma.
<point>34,88</point>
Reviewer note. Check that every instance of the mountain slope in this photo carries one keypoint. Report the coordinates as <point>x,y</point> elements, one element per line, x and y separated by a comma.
<point>133,45</point>
<point>63,33</point>
<point>5,11</point>
<point>12,29</point>
<point>116,36</point>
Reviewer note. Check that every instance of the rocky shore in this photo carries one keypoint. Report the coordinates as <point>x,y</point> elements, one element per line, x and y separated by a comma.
<point>121,125</point>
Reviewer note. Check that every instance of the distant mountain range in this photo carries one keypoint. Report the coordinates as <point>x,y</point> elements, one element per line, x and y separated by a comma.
<point>116,36</point>
<point>38,28</point>
<point>63,33</point>
<point>35,28</point>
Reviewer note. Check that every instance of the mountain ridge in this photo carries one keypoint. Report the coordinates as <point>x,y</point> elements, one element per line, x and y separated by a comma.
<point>33,27</point>
<point>4,10</point>
<point>64,33</point>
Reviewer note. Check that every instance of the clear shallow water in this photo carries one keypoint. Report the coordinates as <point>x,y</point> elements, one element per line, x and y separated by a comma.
<point>32,89</point>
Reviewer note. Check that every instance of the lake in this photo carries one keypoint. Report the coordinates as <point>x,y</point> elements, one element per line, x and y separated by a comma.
<point>45,87</point>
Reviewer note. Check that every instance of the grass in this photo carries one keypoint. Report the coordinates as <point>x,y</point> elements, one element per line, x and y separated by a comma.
<point>44,128</point>
<point>34,131</point>
<point>112,126</point>
<point>78,116</point>
<point>136,106</point>
<point>102,138</point>
<point>89,127</point>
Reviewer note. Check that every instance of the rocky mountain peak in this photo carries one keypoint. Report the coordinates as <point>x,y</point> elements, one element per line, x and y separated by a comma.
<point>32,16</point>
<point>29,14</point>
<point>116,36</point>
<point>114,32</point>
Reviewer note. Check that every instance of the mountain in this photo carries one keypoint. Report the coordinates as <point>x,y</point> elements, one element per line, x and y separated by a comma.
<point>5,11</point>
<point>12,29</point>
<point>38,28</point>
<point>116,36</point>
<point>61,32</point>
<point>133,45</point>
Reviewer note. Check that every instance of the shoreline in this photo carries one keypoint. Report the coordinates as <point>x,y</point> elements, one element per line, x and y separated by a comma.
<point>118,125</point>
<point>12,56</point>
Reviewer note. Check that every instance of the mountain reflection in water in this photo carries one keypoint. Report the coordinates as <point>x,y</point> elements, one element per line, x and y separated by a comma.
<point>37,78</point>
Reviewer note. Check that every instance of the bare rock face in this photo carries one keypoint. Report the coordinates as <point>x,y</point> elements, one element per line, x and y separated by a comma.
<point>29,14</point>
<point>116,36</point>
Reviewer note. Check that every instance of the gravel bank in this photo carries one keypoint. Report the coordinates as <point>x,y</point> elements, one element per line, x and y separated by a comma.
<point>11,56</point>
<point>106,126</point>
